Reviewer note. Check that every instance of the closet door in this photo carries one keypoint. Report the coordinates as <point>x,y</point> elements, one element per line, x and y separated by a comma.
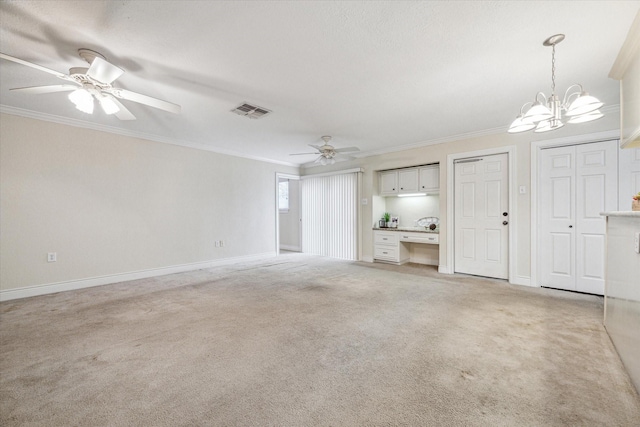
<point>577,183</point>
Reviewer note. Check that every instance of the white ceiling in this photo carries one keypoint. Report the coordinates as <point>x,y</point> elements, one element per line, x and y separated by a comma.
<point>377,75</point>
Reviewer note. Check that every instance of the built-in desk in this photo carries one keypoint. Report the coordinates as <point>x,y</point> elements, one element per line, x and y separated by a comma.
<point>393,244</point>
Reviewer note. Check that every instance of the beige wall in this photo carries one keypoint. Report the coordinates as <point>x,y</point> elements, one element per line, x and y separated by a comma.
<point>110,204</point>
<point>438,154</point>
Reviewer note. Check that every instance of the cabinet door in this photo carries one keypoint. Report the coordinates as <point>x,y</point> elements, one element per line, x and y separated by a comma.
<point>430,179</point>
<point>408,181</point>
<point>388,183</point>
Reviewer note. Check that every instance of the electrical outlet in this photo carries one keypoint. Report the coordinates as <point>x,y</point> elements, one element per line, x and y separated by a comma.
<point>217,243</point>
<point>52,257</point>
<point>222,243</point>
<point>636,242</point>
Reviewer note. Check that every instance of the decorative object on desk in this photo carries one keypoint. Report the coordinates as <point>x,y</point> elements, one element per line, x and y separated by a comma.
<point>428,222</point>
<point>382,223</point>
<point>635,204</point>
<point>387,219</point>
<point>395,221</point>
<point>579,106</point>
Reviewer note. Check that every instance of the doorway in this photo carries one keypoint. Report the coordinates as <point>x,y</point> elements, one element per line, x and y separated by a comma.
<point>481,215</point>
<point>288,217</point>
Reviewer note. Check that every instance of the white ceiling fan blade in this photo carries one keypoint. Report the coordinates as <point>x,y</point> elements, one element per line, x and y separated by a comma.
<point>36,90</point>
<point>347,150</point>
<point>317,147</point>
<point>144,99</point>
<point>318,160</point>
<point>301,154</point>
<point>123,113</point>
<point>32,65</point>
<point>104,71</point>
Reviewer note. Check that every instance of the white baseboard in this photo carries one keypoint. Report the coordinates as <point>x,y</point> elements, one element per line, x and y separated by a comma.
<point>444,269</point>
<point>367,258</point>
<point>31,291</point>
<point>290,248</point>
<point>523,281</point>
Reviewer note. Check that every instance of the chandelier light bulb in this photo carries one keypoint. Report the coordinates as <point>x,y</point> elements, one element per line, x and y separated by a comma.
<point>585,103</point>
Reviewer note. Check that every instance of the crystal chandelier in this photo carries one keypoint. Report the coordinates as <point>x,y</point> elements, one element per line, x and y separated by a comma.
<point>545,114</point>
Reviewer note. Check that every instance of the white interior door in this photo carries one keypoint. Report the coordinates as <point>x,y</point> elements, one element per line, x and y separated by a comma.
<point>577,183</point>
<point>481,219</point>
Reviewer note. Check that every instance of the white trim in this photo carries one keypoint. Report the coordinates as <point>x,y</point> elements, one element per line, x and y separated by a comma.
<point>510,150</point>
<point>445,269</point>
<point>290,248</point>
<point>536,146</point>
<point>50,288</point>
<point>341,172</point>
<point>134,134</point>
<point>280,175</point>
<point>522,280</point>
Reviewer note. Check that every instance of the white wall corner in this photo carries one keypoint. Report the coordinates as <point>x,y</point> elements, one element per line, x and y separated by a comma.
<point>445,269</point>
<point>51,288</point>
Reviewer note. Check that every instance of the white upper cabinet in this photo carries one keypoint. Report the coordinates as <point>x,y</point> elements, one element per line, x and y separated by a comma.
<point>408,180</point>
<point>421,179</point>
<point>388,183</point>
<point>430,179</point>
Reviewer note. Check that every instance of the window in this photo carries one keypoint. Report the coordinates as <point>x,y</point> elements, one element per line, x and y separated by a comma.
<point>283,196</point>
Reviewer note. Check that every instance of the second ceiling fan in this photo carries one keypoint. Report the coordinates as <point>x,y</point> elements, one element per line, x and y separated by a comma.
<point>328,153</point>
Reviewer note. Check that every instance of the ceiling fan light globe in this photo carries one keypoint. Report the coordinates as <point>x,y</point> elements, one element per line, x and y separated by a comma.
<point>83,100</point>
<point>108,106</point>
<point>584,104</point>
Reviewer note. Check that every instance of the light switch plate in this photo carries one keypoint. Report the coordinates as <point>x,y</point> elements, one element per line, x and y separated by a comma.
<point>636,242</point>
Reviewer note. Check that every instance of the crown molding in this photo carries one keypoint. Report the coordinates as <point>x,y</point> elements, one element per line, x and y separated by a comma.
<point>6,109</point>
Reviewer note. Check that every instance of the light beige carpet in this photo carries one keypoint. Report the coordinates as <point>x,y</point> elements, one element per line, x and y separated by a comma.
<point>304,341</point>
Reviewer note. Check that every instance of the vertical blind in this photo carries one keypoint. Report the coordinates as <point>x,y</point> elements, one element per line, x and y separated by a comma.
<point>329,215</point>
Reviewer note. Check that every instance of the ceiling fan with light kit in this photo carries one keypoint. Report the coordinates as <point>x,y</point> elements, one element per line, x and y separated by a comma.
<point>328,153</point>
<point>93,83</point>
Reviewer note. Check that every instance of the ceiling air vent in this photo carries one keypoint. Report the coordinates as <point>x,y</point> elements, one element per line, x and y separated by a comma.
<point>250,111</point>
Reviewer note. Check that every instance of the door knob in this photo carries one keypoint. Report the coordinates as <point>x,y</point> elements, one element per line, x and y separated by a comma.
<point>505,222</point>
<point>504,214</point>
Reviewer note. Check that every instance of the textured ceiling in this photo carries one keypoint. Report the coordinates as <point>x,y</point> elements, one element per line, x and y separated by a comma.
<point>377,75</point>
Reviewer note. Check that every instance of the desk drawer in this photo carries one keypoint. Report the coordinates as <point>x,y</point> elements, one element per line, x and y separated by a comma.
<point>385,238</point>
<point>386,252</point>
<point>428,238</point>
